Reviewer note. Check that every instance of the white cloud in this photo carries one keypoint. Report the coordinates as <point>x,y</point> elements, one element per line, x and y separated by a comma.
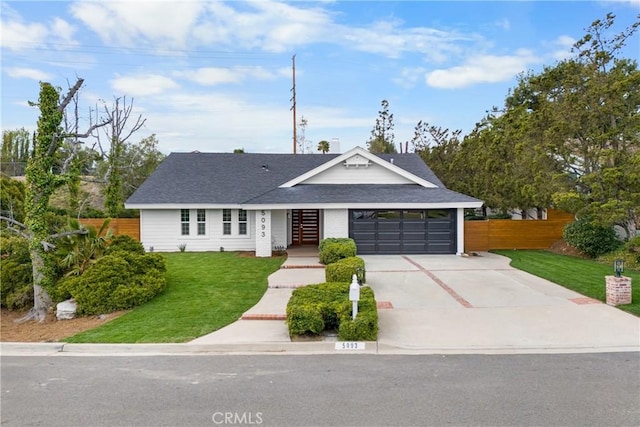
<point>482,69</point>
<point>143,84</point>
<point>27,73</point>
<point>17,35</point>
<point>391,39</point>
<point>409,77</point>
<point>62,31</point>
<point>267,25</point>
<point>562,46</point>
<point>126,23</point>
<point>210,76</point>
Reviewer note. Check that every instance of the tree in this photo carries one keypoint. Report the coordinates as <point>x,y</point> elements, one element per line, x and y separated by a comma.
<point>439,149</point>
<point>590,108</point>
<point>12,198</point>
<point>117,133</point>
<point>41,181</point>
<point>138,162</point>
<point>323,146</point>
<point>238,151</point>
<point>16,146</point>
<point>382,136</point>
<point>302,143</point>
<point>135,163</point>
<point>569,136</point>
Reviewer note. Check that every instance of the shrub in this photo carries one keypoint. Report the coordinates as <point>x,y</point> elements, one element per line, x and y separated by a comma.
<point>326,306</point>
<point>16,289</point>
<point>304,318</point>
<point>116,282</point>
<point>333,249</point>
<point>630,253</point>
<point>591,239</point>
<point>344,269</point>
<point>124,243</point>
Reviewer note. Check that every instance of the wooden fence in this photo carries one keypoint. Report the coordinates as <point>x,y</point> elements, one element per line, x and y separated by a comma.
<point>515,234</point>
<point>118,226</point>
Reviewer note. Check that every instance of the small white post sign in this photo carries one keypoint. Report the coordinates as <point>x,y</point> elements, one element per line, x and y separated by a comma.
<point>350,345</point>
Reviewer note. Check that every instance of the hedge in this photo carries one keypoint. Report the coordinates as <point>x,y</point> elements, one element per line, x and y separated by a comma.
<point>333,249</point>
<point>326,306</point>
<point>344,269</point>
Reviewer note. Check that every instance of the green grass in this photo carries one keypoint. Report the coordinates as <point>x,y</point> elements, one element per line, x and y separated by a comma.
<point>205,291</point>
<point>581,275</point>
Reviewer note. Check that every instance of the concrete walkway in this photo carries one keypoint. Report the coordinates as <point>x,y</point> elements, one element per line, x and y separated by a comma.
<point>450,304</point>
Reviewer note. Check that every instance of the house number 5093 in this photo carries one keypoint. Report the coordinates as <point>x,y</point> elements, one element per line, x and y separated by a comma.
<point>263,226</point>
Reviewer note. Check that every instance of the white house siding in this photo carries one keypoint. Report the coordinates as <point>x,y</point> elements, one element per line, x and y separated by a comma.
<point>279,228</point>
<point>373,174</point>
<point>160,231</point>
<point>336,223</point>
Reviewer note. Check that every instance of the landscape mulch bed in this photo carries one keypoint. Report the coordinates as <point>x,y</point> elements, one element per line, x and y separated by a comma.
<point>51,330</point>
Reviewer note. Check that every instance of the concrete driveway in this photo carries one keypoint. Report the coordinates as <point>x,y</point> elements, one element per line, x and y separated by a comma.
<point>456,303</point>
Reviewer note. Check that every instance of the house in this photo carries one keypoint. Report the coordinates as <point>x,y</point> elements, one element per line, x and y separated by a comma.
<point>389,204</point>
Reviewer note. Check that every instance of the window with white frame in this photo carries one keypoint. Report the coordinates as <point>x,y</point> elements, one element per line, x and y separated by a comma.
<point>242,222</point>
<point>184,222</point>
<point>226,222</point>
<point>202,222</point>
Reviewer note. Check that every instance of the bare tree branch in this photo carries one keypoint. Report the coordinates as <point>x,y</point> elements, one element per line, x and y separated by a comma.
<point>72,91</point>
<point>12,221</point>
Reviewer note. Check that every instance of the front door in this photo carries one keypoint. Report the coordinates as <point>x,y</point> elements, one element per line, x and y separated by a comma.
<point>305,227</point>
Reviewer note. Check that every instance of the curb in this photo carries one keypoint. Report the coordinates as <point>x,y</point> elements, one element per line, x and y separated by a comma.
<point>288,348</point>
<point>70,349</point>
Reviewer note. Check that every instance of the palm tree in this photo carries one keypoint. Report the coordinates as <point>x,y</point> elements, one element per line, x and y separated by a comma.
<point>79,251</point>
<point>323,146</point>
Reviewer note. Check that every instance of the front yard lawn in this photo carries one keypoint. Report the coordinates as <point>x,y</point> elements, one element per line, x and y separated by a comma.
<point>205,291</point>
<point>578,274</point>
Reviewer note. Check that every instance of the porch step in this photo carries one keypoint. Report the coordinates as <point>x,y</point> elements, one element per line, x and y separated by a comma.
<point>264,317</point>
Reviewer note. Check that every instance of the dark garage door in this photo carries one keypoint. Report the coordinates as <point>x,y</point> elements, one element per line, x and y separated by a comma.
<point>431,231</point>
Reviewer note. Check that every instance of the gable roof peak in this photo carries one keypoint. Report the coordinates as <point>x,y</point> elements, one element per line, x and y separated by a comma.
<point>348,160</point>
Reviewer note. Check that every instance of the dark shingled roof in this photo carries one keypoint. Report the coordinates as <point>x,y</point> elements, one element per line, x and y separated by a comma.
<point>226,178</point>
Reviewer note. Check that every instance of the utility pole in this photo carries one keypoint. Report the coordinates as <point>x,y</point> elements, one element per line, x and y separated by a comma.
<point>293,107</point>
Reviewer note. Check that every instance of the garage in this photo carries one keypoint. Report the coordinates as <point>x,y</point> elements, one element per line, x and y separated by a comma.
<point>426,231</point>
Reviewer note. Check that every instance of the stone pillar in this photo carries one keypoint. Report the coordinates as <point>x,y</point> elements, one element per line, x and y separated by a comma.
<point>618,290</point>
<point>263,233</point>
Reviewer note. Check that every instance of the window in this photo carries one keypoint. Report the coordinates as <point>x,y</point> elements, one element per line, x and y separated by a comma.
<point>242,222</point>
<point>226,221</point>
<point>184,221</point>
<point>202,218</point>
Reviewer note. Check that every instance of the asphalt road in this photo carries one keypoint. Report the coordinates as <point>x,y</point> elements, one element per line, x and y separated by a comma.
<point>321,390</point>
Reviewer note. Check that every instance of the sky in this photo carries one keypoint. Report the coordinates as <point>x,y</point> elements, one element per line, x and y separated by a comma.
<point>215,76</point>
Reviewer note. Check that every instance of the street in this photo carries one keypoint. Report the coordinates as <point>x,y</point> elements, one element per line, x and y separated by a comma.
<point>322,390</point>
